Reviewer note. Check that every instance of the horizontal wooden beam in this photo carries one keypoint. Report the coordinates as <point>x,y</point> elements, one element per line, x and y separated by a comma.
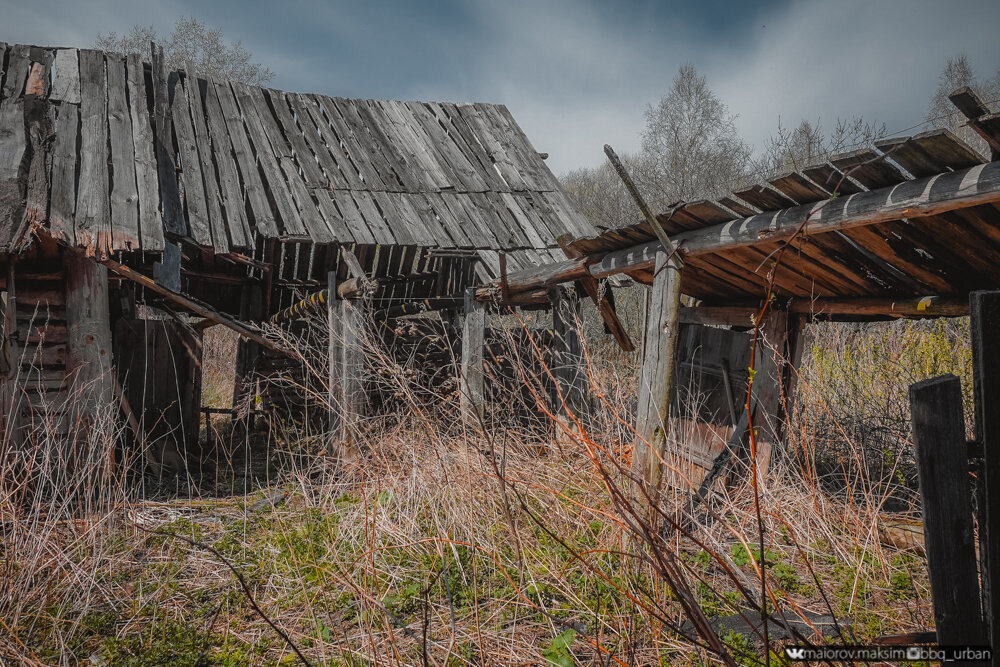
<point>920,197</point>
<point>192,305</point>
<point>742,315</point>
<point>911,199</point>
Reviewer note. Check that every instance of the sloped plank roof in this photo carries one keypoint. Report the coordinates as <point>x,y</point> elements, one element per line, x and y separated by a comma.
<point>222,165</point>
<point>916,254</point>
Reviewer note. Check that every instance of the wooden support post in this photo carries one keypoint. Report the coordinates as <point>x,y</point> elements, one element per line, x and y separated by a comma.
<point>984,324</point>
<point>335,352</point>
<point>10,430</point>
<point>88,363</point>
<point>771,383</point>
<point>352,393</point>
<point>656,377</point>
<point>473,396</point>
<point>568,363</point>
<point>247,351</point>
<point>942,466</point>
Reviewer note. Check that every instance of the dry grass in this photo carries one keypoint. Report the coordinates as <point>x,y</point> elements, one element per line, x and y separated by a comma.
<point>442,545</point>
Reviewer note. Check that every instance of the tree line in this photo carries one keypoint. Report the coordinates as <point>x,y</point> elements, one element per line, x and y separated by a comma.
<point>692,150</point>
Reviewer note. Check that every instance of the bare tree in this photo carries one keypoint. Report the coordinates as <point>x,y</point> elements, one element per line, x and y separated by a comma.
<point>598,193</point>
<point>692,142</point>
<point>690,150</point>
<point>959,72</point>
<point>791,150</point>
<point>191,42</point>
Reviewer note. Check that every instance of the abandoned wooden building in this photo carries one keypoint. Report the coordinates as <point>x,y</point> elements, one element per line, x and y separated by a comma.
<point>127,190</point>
<point>140,206</point>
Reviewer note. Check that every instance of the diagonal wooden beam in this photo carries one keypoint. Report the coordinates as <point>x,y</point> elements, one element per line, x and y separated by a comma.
<point>593,290</point>
<point>192,305</point>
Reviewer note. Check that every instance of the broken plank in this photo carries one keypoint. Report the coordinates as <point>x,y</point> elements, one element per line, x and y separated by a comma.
<point>93,231</point>
<point>66,77</point>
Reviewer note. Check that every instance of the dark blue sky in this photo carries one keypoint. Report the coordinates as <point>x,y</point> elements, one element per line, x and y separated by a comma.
<point>578,73</point>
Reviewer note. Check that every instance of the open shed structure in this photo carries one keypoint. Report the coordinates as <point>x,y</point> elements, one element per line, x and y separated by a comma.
<point>908,227</point>
<point>139,206</point>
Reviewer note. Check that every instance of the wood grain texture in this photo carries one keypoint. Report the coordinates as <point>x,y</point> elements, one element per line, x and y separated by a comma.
<point>124,191</point>
<point>942,465</point>
<point>984,324</point>
<point>146,176</point>
<point>93,207</point>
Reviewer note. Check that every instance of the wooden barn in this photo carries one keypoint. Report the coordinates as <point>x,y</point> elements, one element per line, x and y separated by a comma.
<point>139,206</point>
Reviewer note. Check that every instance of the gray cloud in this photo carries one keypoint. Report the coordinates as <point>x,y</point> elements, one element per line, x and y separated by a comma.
<point>578,74</point>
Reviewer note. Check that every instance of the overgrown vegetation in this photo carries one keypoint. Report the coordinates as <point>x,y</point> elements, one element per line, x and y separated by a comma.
<point>459,546</point>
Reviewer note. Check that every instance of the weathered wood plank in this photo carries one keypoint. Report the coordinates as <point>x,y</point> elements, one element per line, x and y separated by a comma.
<point>482,131</point>
<point>910,156</point>
<point>459,163</point>
<point>146,175</point>
<point>352,217</point>
<point>302,154</point>
<point>572,387</point>
<point>378,226</point>
<point>195,89</point>
<point>233,203</point>
<point>193,182</point>
<point>166,160</point>
<point>93,229</point>
<point>39,118</point>
<point>66,77</point>
<point>124,191</point>
<point>335,163</point>
<point>831,179</point>
<point>266,152</point>
<point>398,166</point>
<point>253,189</point>
<point>764,198</point>
<point>942,465</point>
<point>985,322</point>
<point>89,333</point>
<point>357,131</point>
<point>869,168</point>
<point>656,374</point>
<point>13,144</point>
<point>462,134</point>
<point>65,154</point>
<point>473,395</point>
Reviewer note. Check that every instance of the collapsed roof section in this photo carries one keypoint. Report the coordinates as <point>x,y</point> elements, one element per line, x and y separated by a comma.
<point>112,155</point>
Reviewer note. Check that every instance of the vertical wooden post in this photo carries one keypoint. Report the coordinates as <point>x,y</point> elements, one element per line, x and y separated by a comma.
<point>247,351</point>
<point>9,395</point>
<point>656,377</point>
<point>942,466</point>
<point>984,311</point>
<point>473,396</point>
<point>353,396</point>
<point>88,362</point>
<point>770,384</point>
<point>335,355</point>
<point>568,360</point>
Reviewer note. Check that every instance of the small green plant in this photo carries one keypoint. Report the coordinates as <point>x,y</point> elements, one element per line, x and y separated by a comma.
<point>558,651</point>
